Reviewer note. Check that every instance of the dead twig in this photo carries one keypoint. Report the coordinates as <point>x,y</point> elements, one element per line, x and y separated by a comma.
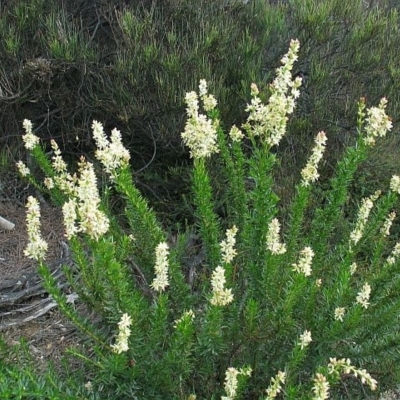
<point>5,224</point>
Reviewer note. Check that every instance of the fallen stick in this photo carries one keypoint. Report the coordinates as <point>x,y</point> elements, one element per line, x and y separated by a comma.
<point>4,224</point>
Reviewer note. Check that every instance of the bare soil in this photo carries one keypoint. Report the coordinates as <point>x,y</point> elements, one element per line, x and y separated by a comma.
<point>49,334</point>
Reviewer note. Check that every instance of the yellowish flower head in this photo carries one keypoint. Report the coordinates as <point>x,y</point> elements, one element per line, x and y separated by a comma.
<point>37,246</point>
<point>321,387</point>
<point>305,339</point>
<point>63,179</point>
<point>236,134</point>
<point>22,168</point>
<point>363,214</point>
<point>228,245</point>
<point>339,313</point>
<point>30,140</point>
<point>343,365</point>
<point>188,316</point>
<point>220,295</point>
<point>363,296</point>
<point>49,183</point>
<point>121,344</point>
<point>269,121</point>
<point>305,260</point>
<point>394,254</point>
<point>231,381</point>
<point>70,218</point>
<point>111,153</point>
<point>377,123</point>
<point>353,268</point>
<point>92,220</point>
<point>310,171</point>
<point>160,281</point>
<point>202,87</point>
<point>385,230</point>
<point>395,184</point>
<point>275,386</point>
<point>274,244</point>
<point>209,101</point>
<point>200,133</point>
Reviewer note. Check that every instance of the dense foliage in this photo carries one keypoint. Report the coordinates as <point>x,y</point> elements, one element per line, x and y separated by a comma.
<point>258,312</point>
<point>222,299</point>
<point>65,63</point>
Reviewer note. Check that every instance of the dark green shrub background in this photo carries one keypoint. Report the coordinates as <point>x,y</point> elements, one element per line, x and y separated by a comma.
<point>129,64</point>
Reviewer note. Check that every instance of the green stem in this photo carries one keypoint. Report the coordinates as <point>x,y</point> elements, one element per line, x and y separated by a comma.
<point>262,208</point>
<point>207,219</point>
<point>142,219</point>
<point>51,286</point>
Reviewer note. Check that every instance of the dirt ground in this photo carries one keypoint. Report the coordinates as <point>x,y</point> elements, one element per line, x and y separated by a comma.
<point>49,334</point>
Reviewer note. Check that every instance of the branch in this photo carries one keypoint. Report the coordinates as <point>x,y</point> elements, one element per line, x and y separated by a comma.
<point>7,225</point>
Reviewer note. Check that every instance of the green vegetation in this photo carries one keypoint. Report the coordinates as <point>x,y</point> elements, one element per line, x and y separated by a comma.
<point>63,64</point>
<point>266,312</point>
<point>173,327</point>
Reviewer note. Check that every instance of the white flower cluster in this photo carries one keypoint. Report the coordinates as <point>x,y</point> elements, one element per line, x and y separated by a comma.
<point>275,387</point>
<point>274,244</point>
<point>48,182</point>
<point>228,245</point>
<point>83,203</point>
<point>82,191</point>
<point>92,221</point>
<point>84,198</point>
<point>89,386</point>
<point>377,123</point>
<point>363,296</point>
<point>310,171</point>
<point>22,168</point>
<point>188,316</point>
<point>305,260</point>
<point>160,282</point>
<point>209,101</point>
<point>305,339</point>
<point>353,268</point>
<point>200,134</point>
<point>59,164</point>
<point>112,154</point>
<point>344,366</point>
<point>321,387</point>
<point>394,255</point>
<point>37,246</point>
<point>70,217</point>
<point>385,230</point>
<point>236,134</point>
<point>30,139</point>
<point>121,344</point>
<point>339,313</point>
<point>395,184</point>
<point>231,381</point>
<point>63,179</point>
<point>220,295</point>
<point>362,218</point>
<point>269,121</point>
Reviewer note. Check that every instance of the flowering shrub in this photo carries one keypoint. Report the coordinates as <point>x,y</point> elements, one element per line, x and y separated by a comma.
<point>268,307</point>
